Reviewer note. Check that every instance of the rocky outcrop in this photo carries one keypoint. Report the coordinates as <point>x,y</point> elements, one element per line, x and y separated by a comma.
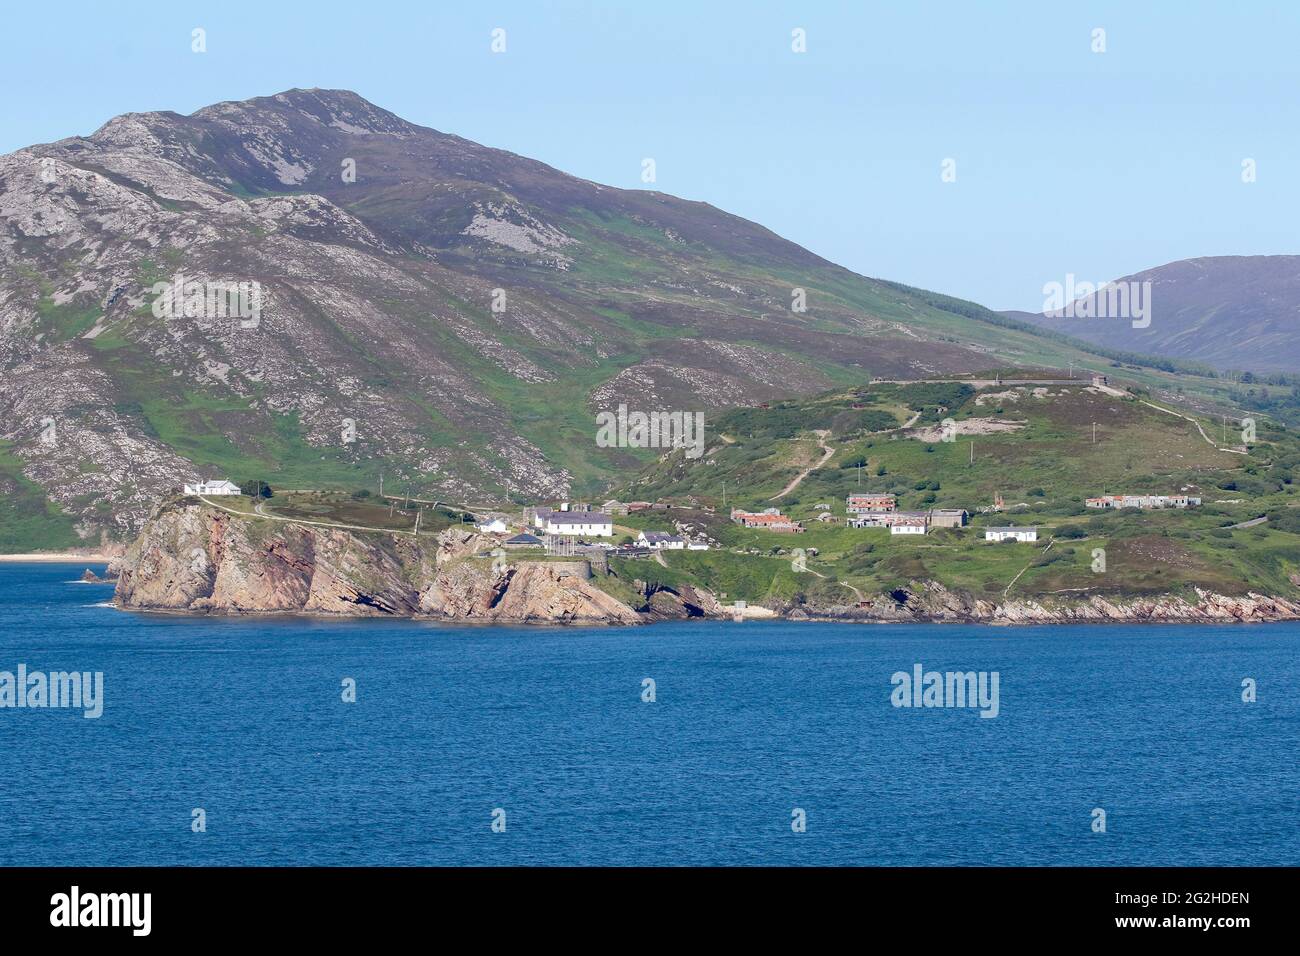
<point>192,557</point>
<point>931,601</point>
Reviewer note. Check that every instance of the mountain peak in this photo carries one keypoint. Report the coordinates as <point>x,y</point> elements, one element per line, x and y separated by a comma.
<point>342,110</point>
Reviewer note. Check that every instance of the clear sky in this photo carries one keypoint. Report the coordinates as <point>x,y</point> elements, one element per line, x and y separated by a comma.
<point>1067,161</point>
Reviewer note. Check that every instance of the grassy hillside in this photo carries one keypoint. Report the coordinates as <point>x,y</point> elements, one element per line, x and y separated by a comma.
<point>1044,464</point>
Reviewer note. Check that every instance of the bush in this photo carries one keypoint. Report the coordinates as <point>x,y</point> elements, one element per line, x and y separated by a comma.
<point>254,488</point>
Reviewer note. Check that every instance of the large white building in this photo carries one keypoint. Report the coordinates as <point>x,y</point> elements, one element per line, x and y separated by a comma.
<point>585,524</point>
<point>908,526</point>
<point>660,541</point>
<point>213,488</point>
<point>1012,533</point>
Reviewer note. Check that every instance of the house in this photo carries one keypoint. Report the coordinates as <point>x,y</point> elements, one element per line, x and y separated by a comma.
<point>1011,533</point>
<point>592,524</point>
<point>540,516</point>
<point>769,519</point>
<point>638,506</point>
<point>697,546</point>
<point>859,504</point>
<point>524,540</point>
<point>614,507</point>
<point>660,541</point>
<point>492,526</point>
<point>821,506</point>
<point>908,526</point>
<point>213,488</point>
<point>826,517</point>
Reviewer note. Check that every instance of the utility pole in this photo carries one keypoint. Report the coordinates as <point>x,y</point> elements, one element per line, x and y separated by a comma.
<point>381,484</point>
<point>972,452</point>
<point>1094,433</point>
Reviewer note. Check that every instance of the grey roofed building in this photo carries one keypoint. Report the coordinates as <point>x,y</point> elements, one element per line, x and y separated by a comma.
<point>578,517</point>
<point>523,540</point>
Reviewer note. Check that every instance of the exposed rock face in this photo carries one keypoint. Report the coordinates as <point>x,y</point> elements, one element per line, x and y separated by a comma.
<point>931,601</point>
<point>197,558</point>
<point>193,557</point>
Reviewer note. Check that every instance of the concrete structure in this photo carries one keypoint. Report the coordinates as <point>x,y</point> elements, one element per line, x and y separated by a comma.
<point>1143,501</point>
<point>494,526</point>
<point>593,524</point>
<point>1011,533</point>
<point>886,519</point>
<point>863,503</point>
<point>213,488</point>
<point>947,517</point>
<point>524,540</point>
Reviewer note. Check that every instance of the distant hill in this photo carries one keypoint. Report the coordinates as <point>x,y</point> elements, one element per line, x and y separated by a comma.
<point>1229,312</point>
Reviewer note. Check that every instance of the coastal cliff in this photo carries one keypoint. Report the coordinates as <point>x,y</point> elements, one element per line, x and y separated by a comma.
<point>199,558</point>
<point>931,601</point>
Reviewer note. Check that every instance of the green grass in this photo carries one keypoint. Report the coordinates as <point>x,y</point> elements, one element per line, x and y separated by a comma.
<point>1051,465</point>
<point>29,521</point>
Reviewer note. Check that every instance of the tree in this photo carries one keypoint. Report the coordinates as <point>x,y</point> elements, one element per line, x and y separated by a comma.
<point>255,488</point>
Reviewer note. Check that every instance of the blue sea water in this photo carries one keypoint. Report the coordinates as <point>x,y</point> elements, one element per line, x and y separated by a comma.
<point>245,719</point>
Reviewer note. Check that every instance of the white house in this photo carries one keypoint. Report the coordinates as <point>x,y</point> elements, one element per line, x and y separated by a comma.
<point>697,546</point>
<point>660,541</point>
<point>908,526</point>
<point>590,524</point>
<point>1012,533</point>
<point>213,488</point>
<point>494,526</point>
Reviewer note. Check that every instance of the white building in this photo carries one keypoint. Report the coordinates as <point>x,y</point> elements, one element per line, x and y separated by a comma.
<point>907,526</point>
<point>589,524</point>
<point>213,488</point>
<point>494,526</point>
<point>1011,533</point>
<point>660,541</point>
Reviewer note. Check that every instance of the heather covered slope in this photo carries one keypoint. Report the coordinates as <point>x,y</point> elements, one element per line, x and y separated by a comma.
<point>451,315</point>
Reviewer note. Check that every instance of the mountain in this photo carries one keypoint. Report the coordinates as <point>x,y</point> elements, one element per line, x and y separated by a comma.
<point>1228,312</point>
<point>370,297</point>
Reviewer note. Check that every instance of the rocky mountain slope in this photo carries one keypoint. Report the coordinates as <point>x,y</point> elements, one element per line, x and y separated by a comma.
<point>449,314</point>
<point>1229,312</point>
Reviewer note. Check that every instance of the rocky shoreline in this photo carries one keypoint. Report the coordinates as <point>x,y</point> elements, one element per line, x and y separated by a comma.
<point>192,558</point>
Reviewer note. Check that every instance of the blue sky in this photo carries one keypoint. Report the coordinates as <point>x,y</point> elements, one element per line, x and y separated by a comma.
<point>1067,161</point>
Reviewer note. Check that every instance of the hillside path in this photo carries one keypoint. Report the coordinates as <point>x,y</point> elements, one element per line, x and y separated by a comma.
<point>821,442</point>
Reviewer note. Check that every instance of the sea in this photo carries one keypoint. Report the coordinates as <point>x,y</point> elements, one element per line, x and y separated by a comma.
<point>299,741</point>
